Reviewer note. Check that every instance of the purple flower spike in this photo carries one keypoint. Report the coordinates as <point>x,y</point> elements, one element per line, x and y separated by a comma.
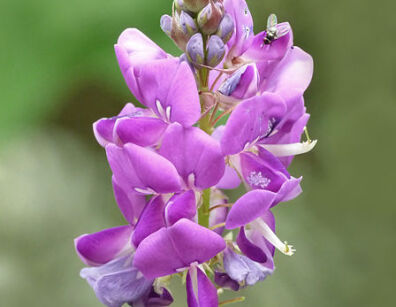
<point>200,291</point>
<point>103,246</point>
<point>195,49</point>
<point>176,247</point>
<point>196,155</point>
<point>226,114</point>
<point>142,170</point>
<point>215,51</point>
<point>117,282</point>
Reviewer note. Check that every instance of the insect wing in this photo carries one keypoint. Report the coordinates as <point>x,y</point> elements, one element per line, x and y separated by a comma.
<point>272,21</point>
<point>282,29</point>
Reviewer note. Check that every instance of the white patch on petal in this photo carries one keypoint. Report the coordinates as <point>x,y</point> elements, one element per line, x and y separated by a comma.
<point>191,180</point>
<point>258,180</point>
<point>271,237</point>
<point>147,191</point>
<point>168,113</point>
<point>285,150</point>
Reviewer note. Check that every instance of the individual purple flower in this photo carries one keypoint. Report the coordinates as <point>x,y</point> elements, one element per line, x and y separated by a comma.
<point>242,269</point>
<point>200,291</point>
<point>117,282</point>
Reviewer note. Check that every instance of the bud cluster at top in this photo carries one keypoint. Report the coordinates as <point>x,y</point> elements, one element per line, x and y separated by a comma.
<point>199,28</point>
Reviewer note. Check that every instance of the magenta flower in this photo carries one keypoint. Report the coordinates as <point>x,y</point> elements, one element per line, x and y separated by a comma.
<point>172,161</point>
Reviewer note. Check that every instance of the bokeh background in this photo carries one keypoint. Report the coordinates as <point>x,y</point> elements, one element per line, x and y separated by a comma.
<point>58,74</point>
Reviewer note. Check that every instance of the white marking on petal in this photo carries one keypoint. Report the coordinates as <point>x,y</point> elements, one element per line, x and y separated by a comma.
<point>285,150</point>
<point>168,113</point>
<point>271,237</point>
<point>146,191</point>
<point>191,180</point>
<point>258,180</point>
<point>160,109</point>
<point>194,278</point>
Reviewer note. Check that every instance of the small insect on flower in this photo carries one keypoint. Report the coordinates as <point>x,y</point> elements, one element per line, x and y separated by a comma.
<point>274,31</point>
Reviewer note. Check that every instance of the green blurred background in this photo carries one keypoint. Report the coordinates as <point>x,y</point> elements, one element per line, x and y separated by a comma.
<point>59,74</point>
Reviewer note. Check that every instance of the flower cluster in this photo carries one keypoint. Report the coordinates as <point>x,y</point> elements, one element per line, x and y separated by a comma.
<point>228,111</point>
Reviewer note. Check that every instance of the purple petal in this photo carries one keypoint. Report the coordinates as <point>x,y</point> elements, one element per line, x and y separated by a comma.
<point>151,220</point>
<point>131,204</point>
<point>134,48</point>
<point>169,249</point>
<point>242,84</point>
<point>258,51</point>
<point>243,34</point>
<point>142,131</point>
<point>225,281</point>
<point>181,206</point>
<point>154,299</point>
<point>242,269</point>
<point>264,172</point>
<point>101,247</point>
<point>249,207</point>
<point>117,282</point>
<point>251,120</point>
<point>200,290</point>
<point>230,179</point>
<point>249,249</point>
<point>289,190</point>
<point>194,152</point>
<point>168,87</point>
<point>135,167</point>
<point>104,128</point>
<point>292,76</point>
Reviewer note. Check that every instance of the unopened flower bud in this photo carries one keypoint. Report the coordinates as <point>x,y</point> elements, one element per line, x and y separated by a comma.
<point>226,28</point>
<point>166,24</point>
<point>187,23</point>
<point>178,34</point>
<point>195,49</point>
<point>179,5</point>
<point>215,51</point>
<point>209,18</point>
<point>184,58</point>
<point>194,5</point>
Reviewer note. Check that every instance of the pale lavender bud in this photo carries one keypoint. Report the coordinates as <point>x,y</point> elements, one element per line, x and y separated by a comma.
<point>209,18</point>
<point>179,36</point>
<point>195,49</point>
<point>226,28</point>
<point>166,24</point>
<point>179,5</point>
<point>187,23</point>
<point>194,5</point>
<point>215,51</point>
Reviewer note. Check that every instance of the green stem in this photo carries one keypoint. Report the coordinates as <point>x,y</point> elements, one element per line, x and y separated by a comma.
<point>203,211</point>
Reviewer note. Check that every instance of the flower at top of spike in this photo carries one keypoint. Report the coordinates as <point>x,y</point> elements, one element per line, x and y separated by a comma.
<point>229,111</point>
